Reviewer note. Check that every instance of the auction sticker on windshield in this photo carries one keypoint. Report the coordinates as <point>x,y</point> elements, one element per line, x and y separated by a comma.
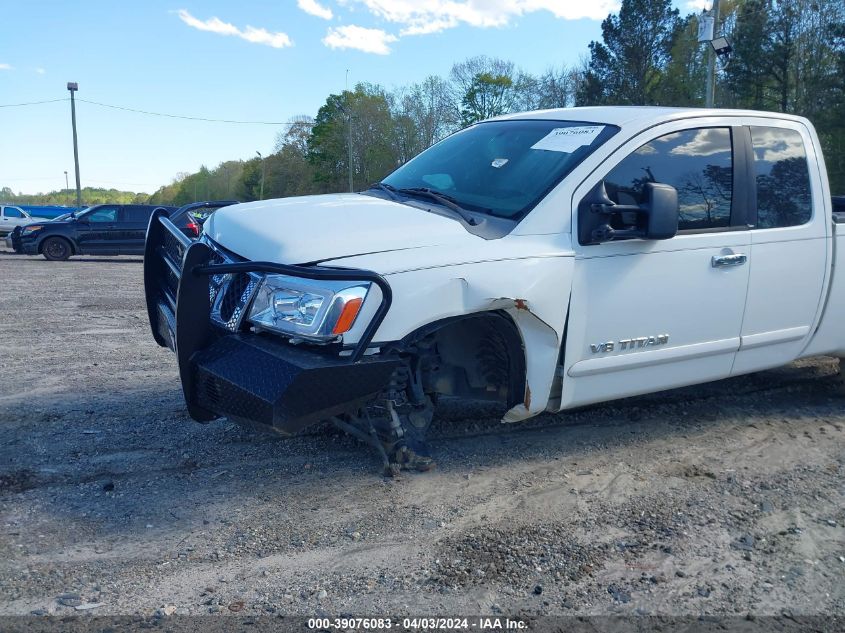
<point>568,139</point>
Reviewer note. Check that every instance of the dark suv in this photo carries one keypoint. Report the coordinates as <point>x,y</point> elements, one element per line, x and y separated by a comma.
<point>104,229</point>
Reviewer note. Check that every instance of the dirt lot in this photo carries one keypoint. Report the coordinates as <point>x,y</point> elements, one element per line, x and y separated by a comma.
<point>724,498</point>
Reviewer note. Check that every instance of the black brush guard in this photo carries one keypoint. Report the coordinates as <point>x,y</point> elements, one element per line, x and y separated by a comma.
<point>242,375</point>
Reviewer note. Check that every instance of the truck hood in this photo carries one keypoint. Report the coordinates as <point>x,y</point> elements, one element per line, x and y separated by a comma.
<point>322,228</point>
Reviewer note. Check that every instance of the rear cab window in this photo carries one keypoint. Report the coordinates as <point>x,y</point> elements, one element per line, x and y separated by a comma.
<point>784,196</point>
<point>137,214</point>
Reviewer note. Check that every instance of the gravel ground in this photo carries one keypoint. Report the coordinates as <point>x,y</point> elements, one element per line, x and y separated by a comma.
<point>721,499</point>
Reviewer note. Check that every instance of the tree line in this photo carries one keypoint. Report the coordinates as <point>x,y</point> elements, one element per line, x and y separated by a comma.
<point>67,197</point>
<point>787,57</point>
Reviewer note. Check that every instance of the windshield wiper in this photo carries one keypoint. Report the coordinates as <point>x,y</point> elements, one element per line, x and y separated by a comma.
<point>389,189</point>
<point>441,198</point>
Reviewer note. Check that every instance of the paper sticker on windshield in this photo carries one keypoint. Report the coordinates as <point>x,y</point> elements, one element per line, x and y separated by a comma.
<point>499,162</point>
<point>568,139</point>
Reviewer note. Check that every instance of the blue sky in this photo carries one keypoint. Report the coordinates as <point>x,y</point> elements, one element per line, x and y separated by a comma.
<point>255,60</point>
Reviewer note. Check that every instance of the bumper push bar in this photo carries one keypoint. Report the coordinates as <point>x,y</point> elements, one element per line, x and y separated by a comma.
<point>239,374</point>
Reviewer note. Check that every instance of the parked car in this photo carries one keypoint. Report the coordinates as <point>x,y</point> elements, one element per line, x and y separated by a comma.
<point>11,216</point>
<point>546,260</point>
<point>104,229</point>
<point>13,239</point>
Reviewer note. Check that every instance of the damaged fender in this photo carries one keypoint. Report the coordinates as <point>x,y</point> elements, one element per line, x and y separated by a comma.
<point>533,291</point>
<point>542,349</point>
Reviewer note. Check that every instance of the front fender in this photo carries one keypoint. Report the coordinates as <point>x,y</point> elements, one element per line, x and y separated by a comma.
<point>535,292</point>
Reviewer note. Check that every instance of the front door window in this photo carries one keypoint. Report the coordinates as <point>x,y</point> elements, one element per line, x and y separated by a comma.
<point>105,214</point>
<point>696,162</point>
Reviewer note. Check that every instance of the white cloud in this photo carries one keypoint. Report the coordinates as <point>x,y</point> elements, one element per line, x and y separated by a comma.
<point>5,67</point>
<point>250,33</point>
<point>40,71</point>
<point>699,5</point>
<point>314,8</point>
<point>360,38</point>
<point>706,142</point>
<point>417,17</point>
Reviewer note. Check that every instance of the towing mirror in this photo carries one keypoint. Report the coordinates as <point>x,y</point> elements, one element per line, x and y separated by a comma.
<point>601,220</point>
<point>662,211</point>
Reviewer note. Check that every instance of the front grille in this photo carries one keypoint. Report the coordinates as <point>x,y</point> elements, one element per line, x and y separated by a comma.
<point>234,299</point>
<point>231,293</point>
<point>215,282</point>
<point>234,293</point>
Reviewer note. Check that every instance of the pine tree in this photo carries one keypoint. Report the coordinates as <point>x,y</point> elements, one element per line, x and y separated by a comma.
<point>628,65</point>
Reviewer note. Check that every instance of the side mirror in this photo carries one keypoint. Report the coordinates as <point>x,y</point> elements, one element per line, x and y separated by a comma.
<point>662,208</point>
<point>601,220</point>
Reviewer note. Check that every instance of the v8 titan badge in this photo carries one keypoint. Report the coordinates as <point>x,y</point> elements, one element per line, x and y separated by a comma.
<point>630,343</point>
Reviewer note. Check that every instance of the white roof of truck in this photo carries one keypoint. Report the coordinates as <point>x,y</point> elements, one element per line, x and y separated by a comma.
<point>641,116</point>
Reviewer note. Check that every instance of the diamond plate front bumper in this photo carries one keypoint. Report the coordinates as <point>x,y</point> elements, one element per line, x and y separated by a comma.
<point>228,371</point>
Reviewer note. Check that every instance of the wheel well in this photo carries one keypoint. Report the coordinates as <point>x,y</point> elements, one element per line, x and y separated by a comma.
<point>476,356</point>
<point>70,243</point>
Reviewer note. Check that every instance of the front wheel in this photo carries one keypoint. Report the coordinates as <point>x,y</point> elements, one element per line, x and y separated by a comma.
<point>56,249</point>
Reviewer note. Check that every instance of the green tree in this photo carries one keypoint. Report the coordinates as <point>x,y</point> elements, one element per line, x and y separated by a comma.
<point>367,111</point>
<point>90,195</point>
<point>685,75</point>
<point>248,187</point>
<point>288,171</point>
<point>423,114</point>
<point>748,73</point>
<point>788,57</point>
<point>628,65</point>
<point>487,96</point>
<point>483,85</point>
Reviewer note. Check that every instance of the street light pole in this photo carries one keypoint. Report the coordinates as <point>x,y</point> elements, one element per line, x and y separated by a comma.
<point>67,189</point>
<point>710,97</point>
<point>261,195</point>
<point>72,87</point>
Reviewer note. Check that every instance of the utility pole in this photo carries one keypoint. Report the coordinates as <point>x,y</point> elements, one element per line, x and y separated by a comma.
<point>710,97</point>
<point>67,190</point>
<point>349,116</point>
<point>261,195</point>
<point>72,87</point>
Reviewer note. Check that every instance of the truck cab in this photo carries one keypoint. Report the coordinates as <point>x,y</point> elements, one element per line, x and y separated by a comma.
<point>11,217</point>
<point>546,260</point>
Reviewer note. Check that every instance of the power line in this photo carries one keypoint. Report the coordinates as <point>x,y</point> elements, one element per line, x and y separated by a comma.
<point>4,179</point>
<point>149,113</point>
<point>30,103</point>
<point>187,118</point>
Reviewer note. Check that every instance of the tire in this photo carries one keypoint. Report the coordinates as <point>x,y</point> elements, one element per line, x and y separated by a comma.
<point>56,249</point>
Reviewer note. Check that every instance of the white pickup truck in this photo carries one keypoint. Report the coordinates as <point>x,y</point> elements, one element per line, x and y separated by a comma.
<point>546,260</point>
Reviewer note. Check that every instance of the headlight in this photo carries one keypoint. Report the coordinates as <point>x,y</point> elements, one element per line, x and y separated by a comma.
<point>294,307</point>
<point>32,228</point>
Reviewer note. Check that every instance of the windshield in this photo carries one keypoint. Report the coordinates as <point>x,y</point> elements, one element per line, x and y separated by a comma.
<point>502,168</point>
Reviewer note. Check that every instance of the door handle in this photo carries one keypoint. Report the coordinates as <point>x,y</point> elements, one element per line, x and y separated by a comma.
<point>728,260</point>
